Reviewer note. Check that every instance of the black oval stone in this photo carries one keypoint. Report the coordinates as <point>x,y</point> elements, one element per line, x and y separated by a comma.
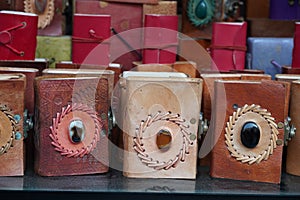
<point>250,135</point>
<point>77,134</point>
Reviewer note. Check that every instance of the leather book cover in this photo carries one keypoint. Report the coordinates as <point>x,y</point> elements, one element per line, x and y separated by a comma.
<point>30,74</point>
<point>296,48</point>
<point>39,64</point>
<point>248,130</point>
<point>18,32</point>
<point>15,5</point>
<point>293,147</point>
<point>87,36</point>
<point>263,50</point>
<point>12,148</point>
<point>71,125</point>
<point>160,39</point>
<point>284,10</point>
<point>153,107</point>
<point>124,17</point>
<point>228,52</point>
<point>112,66</point>
<point>51,20</point>
<point>257,9</point>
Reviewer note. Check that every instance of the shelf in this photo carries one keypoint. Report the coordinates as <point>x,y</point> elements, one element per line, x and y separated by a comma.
<point>114,186</point>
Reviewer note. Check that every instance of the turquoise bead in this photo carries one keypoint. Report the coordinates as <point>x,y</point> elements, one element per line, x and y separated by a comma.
<point>201,10</point>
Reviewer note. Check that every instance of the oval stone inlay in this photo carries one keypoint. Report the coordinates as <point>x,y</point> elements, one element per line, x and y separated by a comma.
<point>76,131</point>
<point>250,134</point>
<point>201,10</point>
<point>163,139</point>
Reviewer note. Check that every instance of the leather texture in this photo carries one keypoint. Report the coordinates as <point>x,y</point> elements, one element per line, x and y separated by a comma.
<point>257,8</point>
<point>293,148</point>
<point>90,95</point>
<point>12,95</point>
<point>144,101</point>
<point>124,17</point>
<point>14,40</point>
<point>87,36</point>
<point>30,74</point>
<point>160,45</point>
<point>259,93</point>
<point>228,52</point>
<point>186,67</point>
<point>40,64</point>
<point>114,67</point>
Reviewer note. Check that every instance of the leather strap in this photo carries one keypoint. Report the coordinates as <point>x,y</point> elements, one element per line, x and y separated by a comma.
<point>234,48</point>
<point>6,38</point>
<point>161,47</point>
<point>94,38</point>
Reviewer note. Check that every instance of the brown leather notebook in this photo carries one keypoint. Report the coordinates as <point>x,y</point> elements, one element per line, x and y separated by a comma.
<point>248,132</point>
<point>71,125</point>
<point>39,64</point>
<point>293,148</point>
<point>160,123</point>
<point>12,149</point>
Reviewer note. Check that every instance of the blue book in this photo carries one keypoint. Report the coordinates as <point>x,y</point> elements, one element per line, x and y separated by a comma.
<point>269,54</point>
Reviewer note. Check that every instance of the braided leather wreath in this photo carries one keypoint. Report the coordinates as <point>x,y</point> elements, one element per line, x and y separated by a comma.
<point>45,12</point>
<point>9,118</point>
<point>55,135</point>
<point>270,134</point>
<point>181,156</point>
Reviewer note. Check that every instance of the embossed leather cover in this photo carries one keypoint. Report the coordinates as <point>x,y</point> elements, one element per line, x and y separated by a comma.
<point>124,17</point>
<point>160,45</point>
<point>293,148</point>
<point>87,36</point>
<point>62,102</point>
<point>12,157</point>
<point>151,105</point>
<point>18,32</point>
<point>228,52</point>
<point>231,157</point>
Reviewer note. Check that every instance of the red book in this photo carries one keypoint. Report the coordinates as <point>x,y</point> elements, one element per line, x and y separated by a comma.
<point>228,45</point>
<point>18,32</point>
<point>160,39</point>
<point>90,32</point>
<point>124,17</point>
<point>136,1</point>
<point>296,49</point>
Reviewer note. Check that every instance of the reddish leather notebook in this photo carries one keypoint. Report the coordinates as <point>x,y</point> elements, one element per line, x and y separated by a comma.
<point>18,32</point>
<point>124,17</point>
<point>12,151</point>
<point>90,32</point>
<point>160,39</point>
<point>296,49</point>
<point>71,125</point>
<point>136,1</point>
<point>228,45</point>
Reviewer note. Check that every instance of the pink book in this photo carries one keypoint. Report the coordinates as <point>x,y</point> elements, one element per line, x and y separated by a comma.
<point>228,45</point>
<point>91,33</point>
<point>160,39</point>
